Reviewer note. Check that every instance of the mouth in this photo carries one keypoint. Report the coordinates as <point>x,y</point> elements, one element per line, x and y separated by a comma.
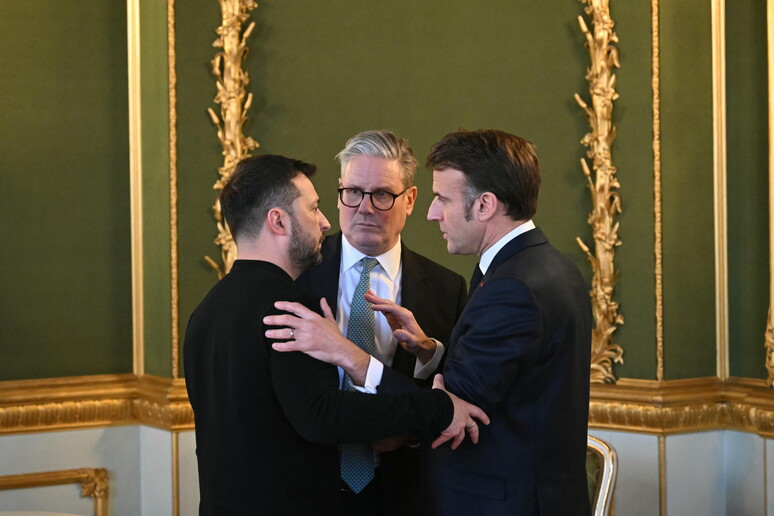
<point>367,225</point>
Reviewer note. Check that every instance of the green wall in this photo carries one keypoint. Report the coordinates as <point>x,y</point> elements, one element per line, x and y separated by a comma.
<point>687,179</point>
<point>65,291</point>
<point>321,72</point>
<point>402,66</point>
<point>748,199</point>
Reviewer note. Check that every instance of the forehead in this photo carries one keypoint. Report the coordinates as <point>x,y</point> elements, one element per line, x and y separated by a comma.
<point>368,172</point>
<point>448,181</point>
<point>306,187</point>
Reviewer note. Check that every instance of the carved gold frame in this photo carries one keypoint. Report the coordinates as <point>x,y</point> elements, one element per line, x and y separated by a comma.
<point>603,187</point>
<point>235,102</point>
<point>93,482</point>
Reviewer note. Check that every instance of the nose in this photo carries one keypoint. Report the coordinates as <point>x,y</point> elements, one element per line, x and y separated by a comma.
<point>324,224</point>
<point>366,205</point>
<point>433,213</point>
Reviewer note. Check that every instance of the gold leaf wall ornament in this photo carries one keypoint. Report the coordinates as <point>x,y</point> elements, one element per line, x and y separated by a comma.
<point>603,187</point>
<point>769,338</point>
<point>235,102</point>
<point>94,482</point>
<point>769,345</point>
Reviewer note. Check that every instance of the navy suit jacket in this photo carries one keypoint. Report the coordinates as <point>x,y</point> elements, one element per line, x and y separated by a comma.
<point>436,296</point>
<point>521,352</point>
<point>267,422</point>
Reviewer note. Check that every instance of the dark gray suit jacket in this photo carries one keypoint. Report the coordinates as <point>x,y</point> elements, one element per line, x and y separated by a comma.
<point>436,296</point>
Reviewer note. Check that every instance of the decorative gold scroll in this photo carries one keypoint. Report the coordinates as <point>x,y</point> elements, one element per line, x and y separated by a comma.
<point>94,483</point>
<point>234,103</point>
<point>603,188</point>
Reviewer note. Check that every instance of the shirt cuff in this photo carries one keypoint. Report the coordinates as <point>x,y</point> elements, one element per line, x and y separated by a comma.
<point>423,371</point>
<point>373,377</point>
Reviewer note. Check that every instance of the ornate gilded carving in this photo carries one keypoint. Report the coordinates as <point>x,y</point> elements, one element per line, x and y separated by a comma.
<point>769,338</point>
<point>93,481</point>
<point>173,241</point>
<point>235,102</point>
<point>658,243</point>
<point>603,188</point>
<point>653,407</point>
<point>769,345</point>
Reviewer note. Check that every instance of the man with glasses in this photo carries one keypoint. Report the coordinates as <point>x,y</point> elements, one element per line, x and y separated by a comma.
<point>376,196</point>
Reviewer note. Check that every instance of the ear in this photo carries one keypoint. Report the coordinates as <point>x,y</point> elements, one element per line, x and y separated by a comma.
<point>278,221</point>
<point>411,198</point>
<point>486,206</point>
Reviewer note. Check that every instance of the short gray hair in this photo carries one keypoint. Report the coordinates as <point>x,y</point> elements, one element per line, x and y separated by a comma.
<point>381,144</point>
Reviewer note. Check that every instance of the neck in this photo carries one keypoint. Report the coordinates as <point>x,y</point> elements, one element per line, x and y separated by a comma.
<point>496,229</point>
<point>273,251</point>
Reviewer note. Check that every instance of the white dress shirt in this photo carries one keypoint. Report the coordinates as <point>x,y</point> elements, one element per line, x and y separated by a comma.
<point>386,283</point>
<point>489,254</point>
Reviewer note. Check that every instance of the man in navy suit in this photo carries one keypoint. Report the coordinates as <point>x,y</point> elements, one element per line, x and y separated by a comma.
<point>376,196</point>
<point>521,348</point>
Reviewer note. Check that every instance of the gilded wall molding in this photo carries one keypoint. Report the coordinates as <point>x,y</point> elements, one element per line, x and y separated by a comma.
<point>135,183</point>
<point>657,234</point>
<point>603,186</point>
<point>93,481</point>
<point>719,185</point>
<point>173,219</point>
<point>644,406</point>
<point>235,102</point>
<point>769,335</point>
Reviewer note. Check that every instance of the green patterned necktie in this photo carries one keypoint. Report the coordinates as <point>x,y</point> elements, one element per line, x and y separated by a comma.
<point>357,460</point>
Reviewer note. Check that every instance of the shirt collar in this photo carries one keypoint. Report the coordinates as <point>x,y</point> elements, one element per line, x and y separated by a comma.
<point>389,261</point>
<point>489,254</point>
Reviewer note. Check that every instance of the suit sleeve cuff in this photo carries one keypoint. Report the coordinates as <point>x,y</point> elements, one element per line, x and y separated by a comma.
<point>423,371</point>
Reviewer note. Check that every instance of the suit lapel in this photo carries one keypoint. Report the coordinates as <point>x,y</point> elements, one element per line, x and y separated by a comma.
<point>413,290</point>
<point>327,273</point>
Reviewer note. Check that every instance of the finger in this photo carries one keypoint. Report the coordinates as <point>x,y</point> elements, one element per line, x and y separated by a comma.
<point>440,440</point>
<point>474,432</point>
<point>281,320</point>
<point>458,439</point>
<point>295,308</point>
<point>371,297</point>
<point>479,414</point>
<point>282,333</point>
<point>326,309</point>
<point>403,336</point>
<point>386,308</point>
<point>286,346</point>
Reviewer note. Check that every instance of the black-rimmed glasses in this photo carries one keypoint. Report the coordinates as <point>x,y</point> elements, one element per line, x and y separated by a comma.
<point>380,199</point>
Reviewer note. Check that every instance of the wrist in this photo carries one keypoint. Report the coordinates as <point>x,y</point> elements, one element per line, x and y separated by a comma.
<point>356,365</point>
<point>426,351</point>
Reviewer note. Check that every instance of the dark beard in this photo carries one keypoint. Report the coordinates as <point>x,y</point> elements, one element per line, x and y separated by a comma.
<point>304,251</point>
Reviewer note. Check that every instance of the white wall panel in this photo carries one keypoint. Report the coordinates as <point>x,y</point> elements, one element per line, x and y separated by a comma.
<point>636,492</point>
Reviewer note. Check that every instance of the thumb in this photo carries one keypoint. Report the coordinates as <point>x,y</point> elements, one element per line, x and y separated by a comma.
<point>438,382</point>
<point>327,312</point>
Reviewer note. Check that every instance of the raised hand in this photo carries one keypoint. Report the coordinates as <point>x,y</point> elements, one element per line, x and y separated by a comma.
<point>318,337</point>
<point>404,327</point>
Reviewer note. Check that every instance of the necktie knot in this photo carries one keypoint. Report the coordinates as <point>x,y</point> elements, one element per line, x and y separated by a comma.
<point>368,264</point>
